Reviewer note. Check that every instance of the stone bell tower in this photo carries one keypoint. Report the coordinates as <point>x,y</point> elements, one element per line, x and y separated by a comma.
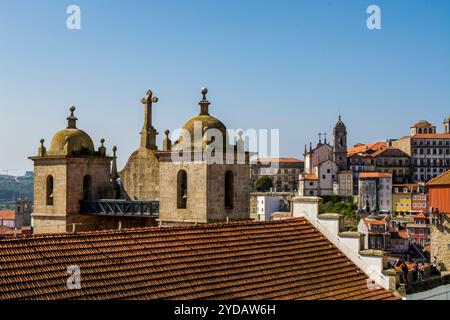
<point>70,171</point>
<point>340,145</point>
<point>195,189</point>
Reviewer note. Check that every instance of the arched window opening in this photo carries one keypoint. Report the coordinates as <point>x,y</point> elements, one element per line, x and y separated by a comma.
<point>49,191</point>
<point>229,190</point>
<point>87,185</point>
<point>182,189</point>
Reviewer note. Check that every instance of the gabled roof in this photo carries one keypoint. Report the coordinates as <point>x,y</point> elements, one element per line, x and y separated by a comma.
<point>7,215</point>
<point>366,148</point>
<point>285,259</point>
<point>443,179</point>
<point>390,152</point>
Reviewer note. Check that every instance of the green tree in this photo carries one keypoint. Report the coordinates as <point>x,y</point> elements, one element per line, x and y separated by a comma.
<point>263,184</point>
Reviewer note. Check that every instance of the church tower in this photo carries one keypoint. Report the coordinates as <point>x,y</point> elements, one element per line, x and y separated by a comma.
<point>340,145</point>
<point>203,177</point>
<point>447,125</point>
<point>70,171</point>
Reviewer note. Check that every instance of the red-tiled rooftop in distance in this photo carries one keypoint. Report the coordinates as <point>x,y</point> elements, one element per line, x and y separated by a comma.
<point>374,175</point>
<point>431,136</point>
<point>279,160</point>
<point>371,147</point>
<point>420,216</point>
<point>7,215</point>
<point>284,259</point>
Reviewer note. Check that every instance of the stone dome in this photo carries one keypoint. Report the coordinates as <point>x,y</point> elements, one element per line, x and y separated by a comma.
<point>204,121</point>
<point>71,141</point>
<point>207,122</point>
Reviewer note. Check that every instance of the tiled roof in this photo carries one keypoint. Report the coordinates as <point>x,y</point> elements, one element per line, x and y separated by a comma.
<point>7,215</point>
<point>306,176</point>
<point>443,179</point>
<point>279,160</point>
<point>371,147</point>
<point>390,152</point>
<point>422,124</point>
<point>285,259</point>
<point>431,136</point>
<point>374,175</point>
<point>420,216</point>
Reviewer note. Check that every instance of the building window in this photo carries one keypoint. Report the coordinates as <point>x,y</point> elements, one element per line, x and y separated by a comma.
<point>181,189</point>
<point>229,186</point>
<point>87,183</point>
<point>49,191</point>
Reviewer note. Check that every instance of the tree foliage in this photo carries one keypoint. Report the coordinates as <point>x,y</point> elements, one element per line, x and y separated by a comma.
<point>263,184</point>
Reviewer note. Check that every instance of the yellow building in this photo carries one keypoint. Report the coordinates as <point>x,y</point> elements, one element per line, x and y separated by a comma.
<point>401,198</point>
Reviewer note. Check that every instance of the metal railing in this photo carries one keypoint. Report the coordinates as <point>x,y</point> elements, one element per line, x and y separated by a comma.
<point>120,208</point>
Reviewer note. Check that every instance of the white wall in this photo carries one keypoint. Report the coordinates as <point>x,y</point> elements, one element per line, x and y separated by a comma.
<point>266,206</point>
<point>438,293</point>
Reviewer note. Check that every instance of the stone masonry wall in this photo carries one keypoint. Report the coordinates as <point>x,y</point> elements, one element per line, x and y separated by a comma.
<point>216,192</point>
<point>440,243</point>
<point>195,211</point>
<point>140,177</point>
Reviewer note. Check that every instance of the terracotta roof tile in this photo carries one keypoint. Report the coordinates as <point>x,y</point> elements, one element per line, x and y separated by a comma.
<point>7,215</point>
<point>374,175</point>
<point>431,136</point>
<point>285,259</point>
<point>443,179</point>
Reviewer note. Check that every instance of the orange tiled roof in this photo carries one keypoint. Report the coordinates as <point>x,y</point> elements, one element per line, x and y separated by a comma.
<point>443,179</point>
<point>309,176</point>
<point>420,216</point>
<point>366,147</point>
<point>431,136</point>
<point>280,160</point>
<point>422,124</point>
<point>390,152</point>
<point>284,259</point>
<point>7,215</point>
<point>374,175</point>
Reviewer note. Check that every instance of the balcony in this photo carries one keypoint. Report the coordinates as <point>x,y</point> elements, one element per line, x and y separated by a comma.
<point>121,208</point>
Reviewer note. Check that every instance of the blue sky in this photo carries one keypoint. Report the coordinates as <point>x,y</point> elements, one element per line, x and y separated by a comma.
<point>292,65</point>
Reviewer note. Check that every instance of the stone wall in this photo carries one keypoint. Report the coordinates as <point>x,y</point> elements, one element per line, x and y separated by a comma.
<point>68,175</point>
<point>205,192</point>
<point>195,211</point>
<point>440,242</point>
<point>216,192</point>
<point>140,177</point>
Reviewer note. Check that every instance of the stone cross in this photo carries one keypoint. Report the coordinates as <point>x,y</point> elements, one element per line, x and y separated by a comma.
<point>148,133</point>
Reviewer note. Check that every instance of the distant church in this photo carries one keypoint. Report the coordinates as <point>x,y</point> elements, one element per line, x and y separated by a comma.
<point>78,187</point>
<point>326,169</point>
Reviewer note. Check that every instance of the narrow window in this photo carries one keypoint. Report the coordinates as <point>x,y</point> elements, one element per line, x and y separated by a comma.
<point>87,183</point>
<point>49,191</point>
<point>181,189</point>
<point>229,190</point>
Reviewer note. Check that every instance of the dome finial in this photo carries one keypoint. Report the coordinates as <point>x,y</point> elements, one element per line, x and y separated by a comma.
<point>204,103</point>
<point>102,149</point>
<point>204,91</point>
<point>42,151</point>
<point>71,119</point>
